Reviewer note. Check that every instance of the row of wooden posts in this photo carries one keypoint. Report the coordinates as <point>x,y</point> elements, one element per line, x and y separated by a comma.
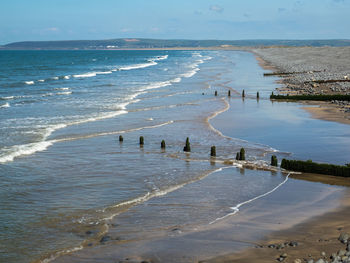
<point>240,156</point>
<point>243,94</point>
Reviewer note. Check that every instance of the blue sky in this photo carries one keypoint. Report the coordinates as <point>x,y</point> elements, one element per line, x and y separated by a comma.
<point>186,19</point>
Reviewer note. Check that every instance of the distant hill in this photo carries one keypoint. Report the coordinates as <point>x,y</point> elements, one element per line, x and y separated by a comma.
<point>129,43</point>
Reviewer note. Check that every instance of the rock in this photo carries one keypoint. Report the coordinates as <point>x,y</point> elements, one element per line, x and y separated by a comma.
<point>343,238</point>
<point>344,258</point>
<point>341,252</point>
<point>310,261</point>
<point>280,246</point>
<point>348,247</point>
<point>320,261</point>
<point>271,246</point>
<point>105,239</point>
<point>293,244</point>
<point>284,255</point>
<point>280,259</point>
<point>323,254</point>
<point>297,260</point>
<point>88,232</point>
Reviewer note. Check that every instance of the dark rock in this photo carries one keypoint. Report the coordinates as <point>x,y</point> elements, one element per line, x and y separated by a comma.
<point>105,239</point>
<point>348,247</point>
<point>88,232</point>
<point>293,244</point>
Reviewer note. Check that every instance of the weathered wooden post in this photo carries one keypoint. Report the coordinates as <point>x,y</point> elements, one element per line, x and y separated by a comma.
<point>243,94</point>
<point>237,156</point>
<point>274,160</point>
<point>213,151</point>
<point>141,141</point>
<point>162,144</point>
<point>121,139</point>
<point>216,93</point>
<point>229,93</point>
<point>187,147</point>
<point>258,95</point>
<point>242,154</point>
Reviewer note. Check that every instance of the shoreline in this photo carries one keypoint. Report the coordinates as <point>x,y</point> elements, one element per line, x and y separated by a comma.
<point>314,236</point>
<point>329,111</point>
<point>222,229</point>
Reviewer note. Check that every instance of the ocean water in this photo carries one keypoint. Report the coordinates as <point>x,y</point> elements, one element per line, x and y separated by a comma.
<point>66,180</point>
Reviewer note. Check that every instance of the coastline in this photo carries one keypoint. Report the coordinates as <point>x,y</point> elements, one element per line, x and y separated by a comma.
<point>317,234</point>
<point>222,231</point>
<point>314,236</point>
<point>294,84</point>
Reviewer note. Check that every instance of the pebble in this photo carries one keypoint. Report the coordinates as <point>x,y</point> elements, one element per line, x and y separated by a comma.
<point>320,261</point>
<point>297,260</point>
<point>341,253</point>
<point>323,254</point>
<point>343,237</point>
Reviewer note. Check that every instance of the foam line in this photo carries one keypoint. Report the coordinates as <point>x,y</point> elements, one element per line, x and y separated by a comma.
<point>236,208</point>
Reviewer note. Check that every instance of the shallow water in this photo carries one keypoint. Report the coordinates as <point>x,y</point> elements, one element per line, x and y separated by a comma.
<point>67,181</point>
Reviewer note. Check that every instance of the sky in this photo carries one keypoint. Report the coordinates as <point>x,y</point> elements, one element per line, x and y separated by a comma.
<point>23,20</point>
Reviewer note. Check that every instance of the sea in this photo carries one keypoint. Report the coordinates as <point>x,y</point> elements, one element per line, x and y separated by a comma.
<point>67,182</point>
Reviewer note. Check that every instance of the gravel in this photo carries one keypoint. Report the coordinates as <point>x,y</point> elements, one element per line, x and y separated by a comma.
<point>311,64</point>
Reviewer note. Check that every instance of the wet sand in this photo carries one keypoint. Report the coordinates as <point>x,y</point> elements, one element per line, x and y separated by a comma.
<point>317,235</point>
<point>241,232</point>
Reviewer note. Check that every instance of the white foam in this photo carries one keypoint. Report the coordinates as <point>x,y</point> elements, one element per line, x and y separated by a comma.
<point>92,74</point>
<point>66,77</point>
<point>104,72</point>
<point>41,80</point>
<point>7,98</point>
<point>190,73</point>
<point>55,78</point>
<point>176,80</point>
<point>29,82</point>
<point>64,93</point>
<point>26,149</point>
<point>86,75</point>
<point>236,208</point>
<point>162,57</point>
<point>139,66</point>
<point>61,88</point>
<point>6,105</point>
<point>63,252</point>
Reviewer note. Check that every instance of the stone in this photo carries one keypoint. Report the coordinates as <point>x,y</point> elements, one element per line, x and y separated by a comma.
<point>348,247</point>
<point>343,237</point>
<point>105,239</point>
<point>284,255</point>
<point>320,261</point>
<point>297,260</point>
<point>341,252</point>
<point>310,261</point>
<point>280,259</point>
<point>293,244</point>
<point>271,246</point>
<point>323,254</point>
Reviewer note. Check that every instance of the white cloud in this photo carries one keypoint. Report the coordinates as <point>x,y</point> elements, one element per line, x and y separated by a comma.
<point>216,8</point>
